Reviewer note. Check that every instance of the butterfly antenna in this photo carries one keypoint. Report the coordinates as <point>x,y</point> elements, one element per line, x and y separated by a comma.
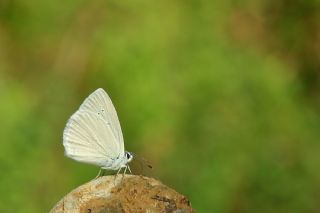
<point>142,161</point>
<point>146,163</point>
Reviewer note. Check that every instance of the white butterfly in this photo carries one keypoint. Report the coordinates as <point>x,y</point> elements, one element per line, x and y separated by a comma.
<point>93,134</point>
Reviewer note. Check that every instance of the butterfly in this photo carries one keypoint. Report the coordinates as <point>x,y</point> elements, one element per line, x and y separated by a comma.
<point>93,134</point>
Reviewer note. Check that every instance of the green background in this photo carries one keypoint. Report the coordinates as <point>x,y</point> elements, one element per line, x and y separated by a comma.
<point>222,97</point>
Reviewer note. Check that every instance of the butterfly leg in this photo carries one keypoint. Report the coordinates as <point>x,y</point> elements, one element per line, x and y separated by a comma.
<point>125,170</point>
<point>118,171</point>
<point>129,169</point>
<point>99,173</point>
<point>115,176</point>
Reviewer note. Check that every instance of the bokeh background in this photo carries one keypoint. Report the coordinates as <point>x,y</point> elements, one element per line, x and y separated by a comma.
<point>222,97</point>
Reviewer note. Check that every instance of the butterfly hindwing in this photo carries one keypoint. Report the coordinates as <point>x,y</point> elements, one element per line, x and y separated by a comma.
<point>89,138</point>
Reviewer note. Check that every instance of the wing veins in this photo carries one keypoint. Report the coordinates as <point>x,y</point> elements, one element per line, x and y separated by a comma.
<point>88,138</point>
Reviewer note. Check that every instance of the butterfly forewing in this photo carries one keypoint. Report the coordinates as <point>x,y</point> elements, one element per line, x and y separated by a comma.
<point>99,102</point>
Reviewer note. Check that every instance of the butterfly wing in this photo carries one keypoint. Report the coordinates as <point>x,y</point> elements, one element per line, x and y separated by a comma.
<point>88,138</point>
<point>100,103</point>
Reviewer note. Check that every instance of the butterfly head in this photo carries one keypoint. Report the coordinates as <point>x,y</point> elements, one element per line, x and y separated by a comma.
<point>129,156</point>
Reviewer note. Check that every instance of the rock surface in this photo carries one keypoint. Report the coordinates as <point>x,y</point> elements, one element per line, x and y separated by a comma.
<point>128,193</point>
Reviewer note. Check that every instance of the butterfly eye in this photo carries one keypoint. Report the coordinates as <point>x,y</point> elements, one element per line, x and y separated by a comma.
<point>129,156</point>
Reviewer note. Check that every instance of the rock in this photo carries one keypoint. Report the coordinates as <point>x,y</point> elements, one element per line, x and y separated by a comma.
<point>128,193</point>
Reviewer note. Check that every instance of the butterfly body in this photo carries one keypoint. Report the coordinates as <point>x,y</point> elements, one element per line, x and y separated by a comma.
<point>118,162</point>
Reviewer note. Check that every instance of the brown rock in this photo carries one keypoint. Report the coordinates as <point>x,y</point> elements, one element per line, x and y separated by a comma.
<point>128,193</point>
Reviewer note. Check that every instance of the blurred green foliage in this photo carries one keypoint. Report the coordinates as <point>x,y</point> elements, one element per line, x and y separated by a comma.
<point>210,92</point>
